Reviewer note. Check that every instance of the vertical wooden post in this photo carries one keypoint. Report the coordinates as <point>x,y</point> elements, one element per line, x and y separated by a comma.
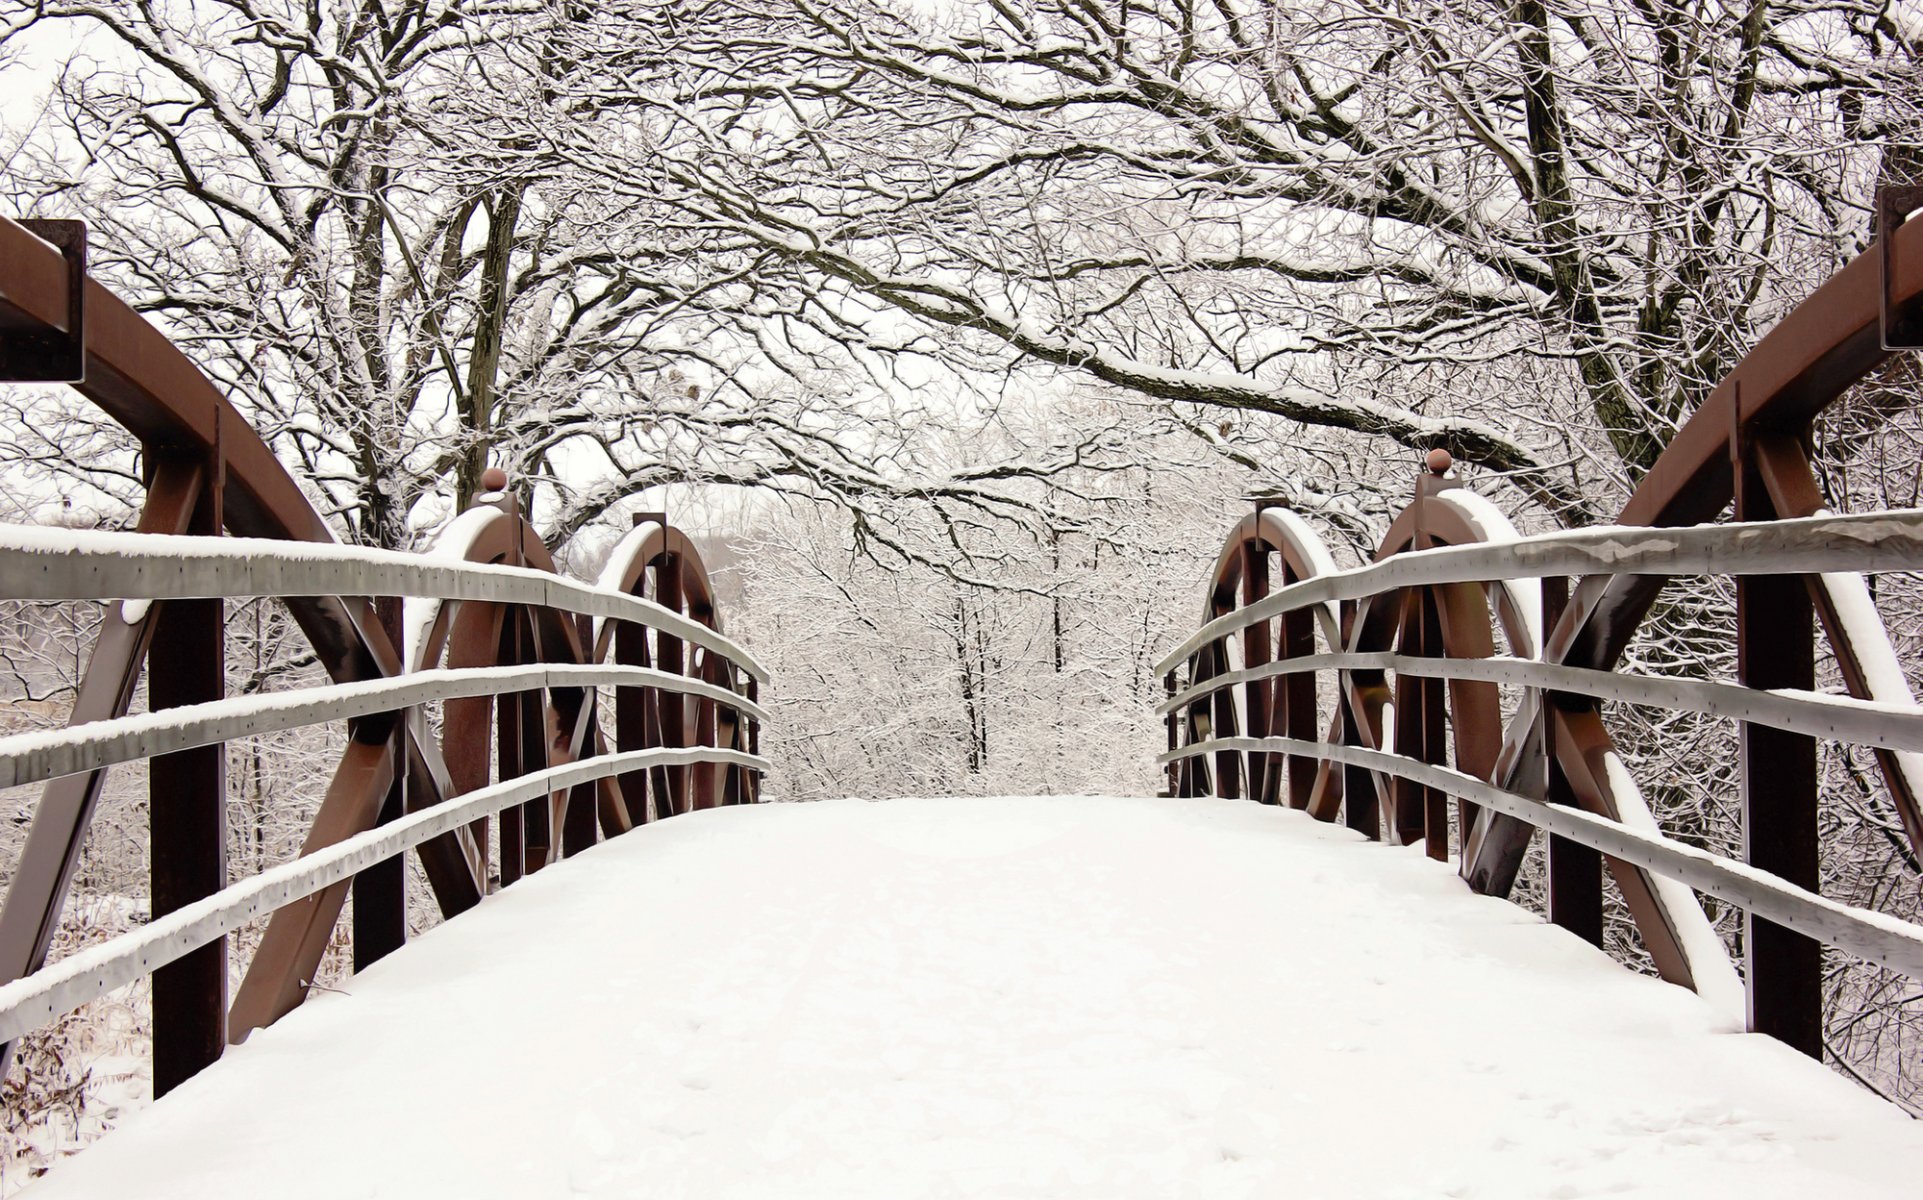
<point>187,796</point>
<point>380,891</point>
<point>1775,648</point>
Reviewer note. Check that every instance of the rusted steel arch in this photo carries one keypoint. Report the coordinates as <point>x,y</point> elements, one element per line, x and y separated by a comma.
<point>1450,621</point>
<point>1761,412</point>
<point>654,550</point>
<point>1283,704</point>
<point>209,470</point>
<point>1454,620</point>
<point>532,730</point>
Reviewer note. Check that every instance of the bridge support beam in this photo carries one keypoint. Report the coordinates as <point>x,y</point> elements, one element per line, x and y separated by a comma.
<point>1776,648</point>
<point>187,798</point>
<point>1575,870</point>
<point>380,891</point>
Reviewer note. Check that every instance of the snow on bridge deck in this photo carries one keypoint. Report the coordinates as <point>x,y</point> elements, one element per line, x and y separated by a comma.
<point>1003,998</point>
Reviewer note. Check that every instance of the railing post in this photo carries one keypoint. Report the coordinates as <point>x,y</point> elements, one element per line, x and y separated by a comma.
<point>1258,647</point>
<point>380,891</point>
<point>671,657</point>
<point>187,814</point>
<point>751,778</point>
<point>1575,870</point>
<point>1361,802</point>
<point>1174,737</point>
<point>1775,648</point>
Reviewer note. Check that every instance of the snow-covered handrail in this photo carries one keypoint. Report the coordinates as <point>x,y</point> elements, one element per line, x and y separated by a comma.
<point>1416,659</point>
<point>59,564</point>
<point>45,754</point>
<point>1875,936</point>
<point>1872,542</point>
<point>26,1004</point>
<point>527,654</point>
<point>1873,723</point>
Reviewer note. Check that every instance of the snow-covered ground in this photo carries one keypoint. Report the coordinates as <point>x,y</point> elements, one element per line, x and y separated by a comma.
<point>1003,998</point>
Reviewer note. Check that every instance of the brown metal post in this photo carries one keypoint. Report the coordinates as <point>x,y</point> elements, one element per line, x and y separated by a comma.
<point>509,740</point>
<point>1409,799</point>
<point>1776,648</point>
<point>1300,718</point>
<point>187,791</point>
<point>672,705</point>
<point>1575,870</point>
<point>1174,737</point>
<point>1361,802</point>
<point>1361,806</point>
<point>753,777</point>
<point>630,716</point>
<point>1228,763</point>
<point>703,777</point>
<point>66,808</point>
<point>1258,646</point>
<point>1435,740</point>
<point>580,829</point>
<point>1195,716</point>
<point>380,891</point>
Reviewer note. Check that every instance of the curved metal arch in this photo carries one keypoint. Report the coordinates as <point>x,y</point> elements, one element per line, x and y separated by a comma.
<point>1283,704</point>
<point>655,550</point>
<point>1450,621</point>
<point>536,729</point>
<point>1760,416</point>
<point>209,470</point>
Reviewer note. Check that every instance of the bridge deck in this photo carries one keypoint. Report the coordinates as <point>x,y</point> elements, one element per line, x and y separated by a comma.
<point>1003,998</point>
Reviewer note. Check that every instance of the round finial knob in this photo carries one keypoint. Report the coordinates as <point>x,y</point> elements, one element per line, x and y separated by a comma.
<point>1440,461</point>
<point>494,479</point>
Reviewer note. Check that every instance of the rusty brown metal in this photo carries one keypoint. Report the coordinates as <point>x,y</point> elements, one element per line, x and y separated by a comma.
<point>31,352</point>
<point>1899,330</point>
<point>1784,470</point>
<point>60,820</point>
<point>1814,354</point>
<point>1776,648</point>
<point>1243,574</point>
<point>187,819</point>
<point>380,891</point>
<point>664,555</point>
<point>209,472</point>
<point>283,968</point>
<point>1575,870</point>
<point>133,373</point>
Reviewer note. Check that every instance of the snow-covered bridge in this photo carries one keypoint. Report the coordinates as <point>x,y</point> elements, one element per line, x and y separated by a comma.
<point>1183,994</point>
<point>1040,996</point>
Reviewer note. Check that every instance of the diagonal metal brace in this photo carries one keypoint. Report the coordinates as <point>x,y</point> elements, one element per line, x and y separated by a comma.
<point>46,353</point>
<point>1893,207</point>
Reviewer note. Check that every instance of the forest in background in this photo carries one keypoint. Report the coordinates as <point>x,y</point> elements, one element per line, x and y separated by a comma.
<point>962,332</point>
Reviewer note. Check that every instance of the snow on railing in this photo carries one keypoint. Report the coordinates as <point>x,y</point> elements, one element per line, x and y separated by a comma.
<point>1416,662</point>
<point>139,569</point>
